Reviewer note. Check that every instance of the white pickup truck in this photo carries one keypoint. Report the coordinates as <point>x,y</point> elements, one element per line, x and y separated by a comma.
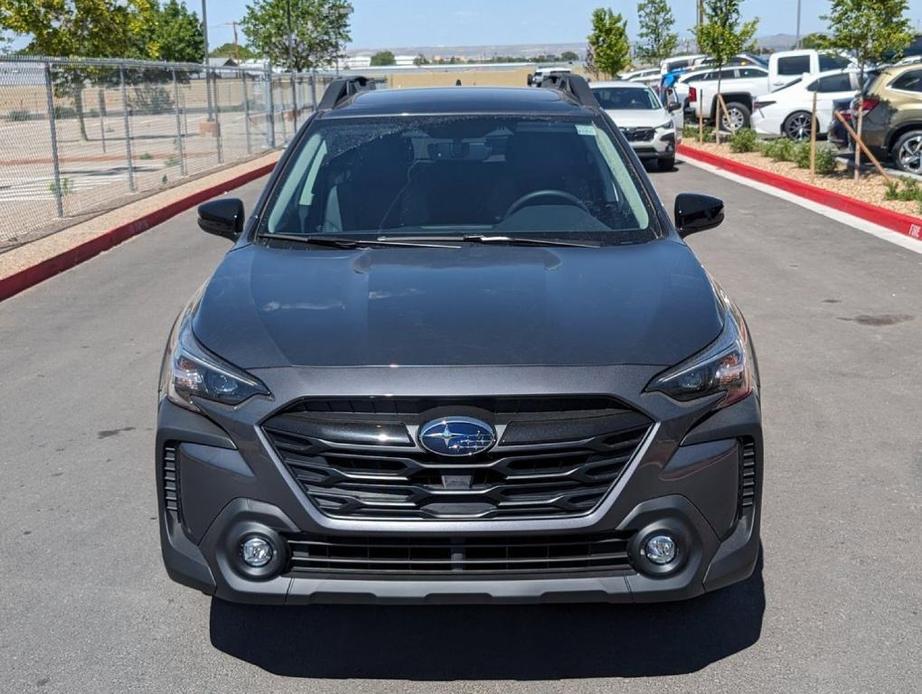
<point>741,85</point>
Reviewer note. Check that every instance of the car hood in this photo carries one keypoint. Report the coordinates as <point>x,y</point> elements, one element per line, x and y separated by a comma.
<point>639,119</point>
<point>650,303</point>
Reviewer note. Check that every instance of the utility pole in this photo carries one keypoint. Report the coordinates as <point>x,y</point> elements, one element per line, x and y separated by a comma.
<point>797,42</point>
<point>237,45</point>
<point>700,17</point>
<point>205,61</point>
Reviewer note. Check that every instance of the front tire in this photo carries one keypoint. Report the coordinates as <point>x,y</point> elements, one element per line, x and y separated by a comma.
<point>665,164</point>
<point>797,126</point>
<point>907,152</point>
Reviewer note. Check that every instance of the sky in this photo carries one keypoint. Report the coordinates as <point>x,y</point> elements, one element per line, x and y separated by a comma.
<point>386,23</point>
<point>409,23</point>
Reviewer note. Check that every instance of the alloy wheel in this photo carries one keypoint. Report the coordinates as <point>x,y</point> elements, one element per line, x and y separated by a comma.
<point>910,154</point>
<point>798,127</point>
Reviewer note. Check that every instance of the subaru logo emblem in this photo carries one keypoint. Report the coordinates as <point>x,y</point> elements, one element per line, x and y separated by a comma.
<point>457,436</point>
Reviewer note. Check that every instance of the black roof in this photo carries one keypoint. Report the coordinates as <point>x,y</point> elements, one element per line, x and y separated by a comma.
<point>387,102</point>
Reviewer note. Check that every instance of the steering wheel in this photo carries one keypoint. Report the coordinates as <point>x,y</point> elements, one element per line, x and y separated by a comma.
<point>549,193</point>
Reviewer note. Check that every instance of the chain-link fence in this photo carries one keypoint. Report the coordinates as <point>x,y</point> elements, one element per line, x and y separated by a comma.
<point>78,137</point>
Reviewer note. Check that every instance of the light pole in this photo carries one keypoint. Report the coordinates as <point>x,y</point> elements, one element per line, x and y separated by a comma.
<point>205,60</point>
<point>797,42</point>
<point>291,68</point>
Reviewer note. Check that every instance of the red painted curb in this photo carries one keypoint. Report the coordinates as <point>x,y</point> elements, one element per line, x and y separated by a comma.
<point>30,276</point>
<point>896,221</point>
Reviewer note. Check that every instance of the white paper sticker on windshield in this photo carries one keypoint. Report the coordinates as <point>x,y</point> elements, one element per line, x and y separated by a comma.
<point>588,130</point>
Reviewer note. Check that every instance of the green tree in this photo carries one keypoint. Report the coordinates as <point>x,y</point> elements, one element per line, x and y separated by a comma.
<point>569,56</point>
<point>231,50</point>
<point>420,60</point>
<point>177,34</point>
<point>814,41</point>
<point>657,38</point>
<point>609,47</point>
<point>722,33</point>
<point>82,28</point>
<point>383,59</point>
<point>315,31</point>
<point>870,30</point>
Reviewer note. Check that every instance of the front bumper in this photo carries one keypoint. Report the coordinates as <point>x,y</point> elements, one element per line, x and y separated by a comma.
<point>685,478</point>
<point>662,146</point>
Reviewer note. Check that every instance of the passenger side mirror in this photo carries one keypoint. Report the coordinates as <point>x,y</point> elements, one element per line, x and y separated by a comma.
<point>695,212</point>
<point>673,106</point>
<point>223,217</point>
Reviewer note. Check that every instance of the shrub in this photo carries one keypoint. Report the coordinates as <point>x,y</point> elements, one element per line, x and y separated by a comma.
<point>67,187</point>
<point>690,132</point>
<point>781,149</point>
<point>826,160</point>
<point>744,140</point>
<point>909,191</point>
<point>802,154</point>
<point>18,115</point>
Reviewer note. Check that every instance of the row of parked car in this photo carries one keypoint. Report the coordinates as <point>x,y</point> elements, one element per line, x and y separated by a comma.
<point>775,98</point>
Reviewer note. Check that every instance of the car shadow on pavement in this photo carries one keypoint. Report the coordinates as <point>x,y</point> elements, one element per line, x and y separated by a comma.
<point>534,642</point>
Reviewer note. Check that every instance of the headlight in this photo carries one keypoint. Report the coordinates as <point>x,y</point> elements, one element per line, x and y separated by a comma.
<point>668,125</point>
<point>727,366</point>
<point>190,371</point>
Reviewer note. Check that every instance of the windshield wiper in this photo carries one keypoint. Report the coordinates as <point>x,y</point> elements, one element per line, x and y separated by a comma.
<point>500,240</point>
<point>336,242</point>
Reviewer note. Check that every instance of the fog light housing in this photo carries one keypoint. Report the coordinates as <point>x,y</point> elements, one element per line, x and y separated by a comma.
<point>661,549</point>
<point>256,552</point>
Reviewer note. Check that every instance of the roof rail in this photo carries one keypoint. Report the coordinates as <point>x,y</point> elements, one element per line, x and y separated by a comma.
<point>341,89</point>
<point>574,85</point>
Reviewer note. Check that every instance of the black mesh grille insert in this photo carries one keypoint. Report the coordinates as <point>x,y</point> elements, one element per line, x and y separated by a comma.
<point>639,134</point>
<point>170,472</point>
<point>402,556</point>
<point>748,479</point>
<point>358,458</point>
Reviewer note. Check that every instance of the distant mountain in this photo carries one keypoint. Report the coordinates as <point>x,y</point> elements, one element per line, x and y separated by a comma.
<point>777,42</point>
<point>522,51</point>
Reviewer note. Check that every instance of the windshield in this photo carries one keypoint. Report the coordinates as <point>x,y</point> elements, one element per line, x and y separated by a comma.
<point>626,99</point>
<point>405,176</point>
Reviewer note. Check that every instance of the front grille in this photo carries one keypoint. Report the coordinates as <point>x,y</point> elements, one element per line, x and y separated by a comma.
<point>639,134</point>
<point>748,481</point>
<point>432,557</point>
<point>359,458</point>
<point>170,473</point>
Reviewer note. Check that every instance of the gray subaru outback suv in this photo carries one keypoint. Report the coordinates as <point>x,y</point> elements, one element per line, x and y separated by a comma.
<point>459,352</point>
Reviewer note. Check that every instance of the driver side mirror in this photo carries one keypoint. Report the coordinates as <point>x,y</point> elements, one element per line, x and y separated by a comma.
<point>223,217</point>
<point>695,212</point>
<point>673,106</point>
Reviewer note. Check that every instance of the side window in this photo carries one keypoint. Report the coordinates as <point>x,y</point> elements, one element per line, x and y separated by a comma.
<point>794,65</point>
<point>835,83</point>
<point>832,62</point>
<point>909,81</point>
<point>728,74</point>
<point>751,72</point>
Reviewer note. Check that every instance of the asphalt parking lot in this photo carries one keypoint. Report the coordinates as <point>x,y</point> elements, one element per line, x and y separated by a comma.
<point>836,314</point>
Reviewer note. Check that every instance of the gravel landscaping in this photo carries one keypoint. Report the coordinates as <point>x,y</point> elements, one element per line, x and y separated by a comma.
<point>870,188</point>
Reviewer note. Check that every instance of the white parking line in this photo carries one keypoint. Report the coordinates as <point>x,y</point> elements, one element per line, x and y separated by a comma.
<point>880,232</point>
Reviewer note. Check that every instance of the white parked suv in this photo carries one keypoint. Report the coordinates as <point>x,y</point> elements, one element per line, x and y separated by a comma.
<point>787,111</point>
<point>641,117</point>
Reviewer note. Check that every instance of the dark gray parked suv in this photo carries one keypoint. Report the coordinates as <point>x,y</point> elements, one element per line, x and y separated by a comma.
<point>459,352</point>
